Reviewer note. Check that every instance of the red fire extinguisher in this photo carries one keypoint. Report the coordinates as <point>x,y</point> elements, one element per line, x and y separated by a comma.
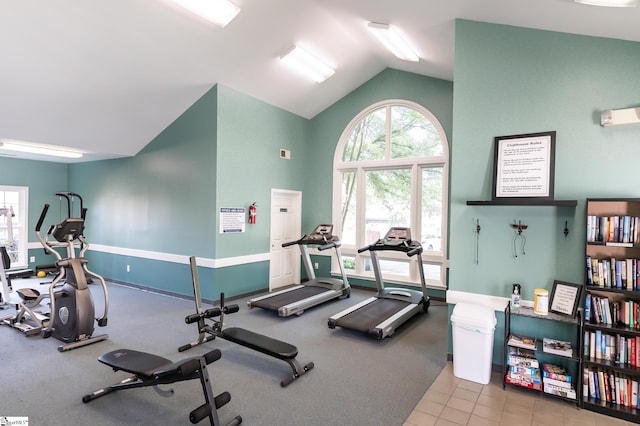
<point>253,210</point>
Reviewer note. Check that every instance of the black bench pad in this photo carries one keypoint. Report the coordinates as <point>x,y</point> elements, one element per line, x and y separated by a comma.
<point>260,343</point>
<point>138,363</point>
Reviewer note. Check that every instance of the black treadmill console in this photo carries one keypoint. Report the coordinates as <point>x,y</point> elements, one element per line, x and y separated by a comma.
<point>397,235</point>
<point>323,234</point>
<point>396,238</point>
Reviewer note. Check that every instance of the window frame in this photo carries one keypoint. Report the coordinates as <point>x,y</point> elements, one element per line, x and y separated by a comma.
<point>416,166</point>
<point>22,223</point>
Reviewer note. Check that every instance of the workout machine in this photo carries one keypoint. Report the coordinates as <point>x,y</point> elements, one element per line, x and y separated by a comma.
<point>382,314</point>
<point>26,319</point>
<point>258,342</point>
<point>153,370</point>
<point>6,275</point>
<point>295,299</point>
<point>72,311</point>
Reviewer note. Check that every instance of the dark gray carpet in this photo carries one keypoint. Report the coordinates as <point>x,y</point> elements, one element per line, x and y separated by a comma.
<point>356,380</point>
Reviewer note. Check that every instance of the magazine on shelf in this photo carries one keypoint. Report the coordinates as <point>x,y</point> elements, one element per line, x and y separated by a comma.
<point>555,372</point>
<point>559,391</point>
<point>557,347</point>
<point>521,341</point>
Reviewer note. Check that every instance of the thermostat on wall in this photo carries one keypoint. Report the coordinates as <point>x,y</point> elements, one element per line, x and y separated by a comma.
<point>285,153</point>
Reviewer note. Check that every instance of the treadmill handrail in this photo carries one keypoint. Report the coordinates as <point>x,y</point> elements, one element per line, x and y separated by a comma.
<point>414,251</point>
<point>361,249</point>
<point>332,244</point>
<point>292,243</point>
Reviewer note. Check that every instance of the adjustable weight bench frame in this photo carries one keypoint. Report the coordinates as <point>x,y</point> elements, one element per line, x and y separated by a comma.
<point>257,342</point>
<point>153,370</point>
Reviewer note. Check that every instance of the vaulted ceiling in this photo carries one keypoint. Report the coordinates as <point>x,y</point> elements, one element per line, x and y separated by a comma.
<point>107,76</point>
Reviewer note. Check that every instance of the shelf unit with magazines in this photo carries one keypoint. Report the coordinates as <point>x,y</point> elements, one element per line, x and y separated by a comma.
<point>552,369</point>
<point>611,349</point>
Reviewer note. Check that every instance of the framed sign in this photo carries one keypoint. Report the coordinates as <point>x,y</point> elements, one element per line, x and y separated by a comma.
<point>524,166</point>
<point>565,298</point>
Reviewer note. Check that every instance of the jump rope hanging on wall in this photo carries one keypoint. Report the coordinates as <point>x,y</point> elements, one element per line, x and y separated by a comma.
<point>476,242</point>
<point>519,236</point>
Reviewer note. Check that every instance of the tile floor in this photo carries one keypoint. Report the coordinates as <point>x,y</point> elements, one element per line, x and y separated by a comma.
<point>452,401</point>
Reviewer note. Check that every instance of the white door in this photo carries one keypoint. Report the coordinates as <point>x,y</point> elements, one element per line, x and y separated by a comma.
<point>286,217</point>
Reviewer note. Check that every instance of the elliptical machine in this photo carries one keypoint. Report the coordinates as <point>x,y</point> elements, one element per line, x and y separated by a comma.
<point>72,309</point>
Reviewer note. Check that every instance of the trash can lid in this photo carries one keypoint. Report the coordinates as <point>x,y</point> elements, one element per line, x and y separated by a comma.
<point>474,315</point>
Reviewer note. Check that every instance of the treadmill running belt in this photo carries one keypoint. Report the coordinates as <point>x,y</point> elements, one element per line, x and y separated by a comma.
<point>273,303</point>
<point>370,315</point>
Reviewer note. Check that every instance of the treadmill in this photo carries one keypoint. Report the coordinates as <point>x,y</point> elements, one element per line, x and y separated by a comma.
<point>379,316</point>
<point>295,299</point>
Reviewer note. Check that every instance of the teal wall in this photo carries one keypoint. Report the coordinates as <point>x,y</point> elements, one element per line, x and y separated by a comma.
<point>43,179</point>
<point>250,136</point>
<point>222,152</point>
<point>511,81</point>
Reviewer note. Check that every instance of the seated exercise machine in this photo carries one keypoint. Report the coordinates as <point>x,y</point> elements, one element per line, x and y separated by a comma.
<point>295,299</point>
<point>382,314</point>
<point>72,310</point>
<point>27,320</point>
<point>5,272</point>
<point>258,342</point>
<point>153,370</point>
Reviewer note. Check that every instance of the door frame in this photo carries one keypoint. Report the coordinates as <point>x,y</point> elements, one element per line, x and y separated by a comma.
<point>297,202</point>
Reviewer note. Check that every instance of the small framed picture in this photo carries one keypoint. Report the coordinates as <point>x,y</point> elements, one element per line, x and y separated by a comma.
<point>524,167</point>
<point>565,298</point>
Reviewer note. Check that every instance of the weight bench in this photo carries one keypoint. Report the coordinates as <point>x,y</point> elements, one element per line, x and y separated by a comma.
<point>153,370</point>
<point>257,342</point>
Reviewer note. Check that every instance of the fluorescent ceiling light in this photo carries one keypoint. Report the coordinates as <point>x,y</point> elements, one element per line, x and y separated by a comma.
<point>307,64</point>
<point>609,3</point>
<point>220,12</point>
<point>392,40</point>
<point>31,148</point>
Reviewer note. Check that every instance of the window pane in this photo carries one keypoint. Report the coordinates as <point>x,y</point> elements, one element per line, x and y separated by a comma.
<point>432,272</point>
<point>431,236</point>
<point>367,140</point>
<point>388,201</point>
<point>349,263</point>
<point>348,209</point>
<point>392,267</point>
<point>413,135</point>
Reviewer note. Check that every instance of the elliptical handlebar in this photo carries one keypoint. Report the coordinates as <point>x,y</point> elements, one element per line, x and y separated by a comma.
<point>42,216</point>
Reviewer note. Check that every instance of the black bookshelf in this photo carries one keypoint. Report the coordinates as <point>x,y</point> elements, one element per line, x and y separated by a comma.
<point>613,366</point>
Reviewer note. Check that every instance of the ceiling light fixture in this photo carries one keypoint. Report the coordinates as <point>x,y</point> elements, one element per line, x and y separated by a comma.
<point>392,40</point>
<point>609,3</point>
<point>307,64</point>
<point>220,12</point>
<point>31,148</point>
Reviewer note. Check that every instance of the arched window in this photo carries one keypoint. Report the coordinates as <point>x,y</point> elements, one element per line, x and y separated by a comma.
<point>391,169</point>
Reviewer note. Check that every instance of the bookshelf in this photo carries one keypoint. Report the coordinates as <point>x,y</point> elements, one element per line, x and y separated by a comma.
<point>571,364</point>
<point>611,348</point>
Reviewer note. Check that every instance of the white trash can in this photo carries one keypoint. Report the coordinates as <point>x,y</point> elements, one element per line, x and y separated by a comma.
<point>473,329</point>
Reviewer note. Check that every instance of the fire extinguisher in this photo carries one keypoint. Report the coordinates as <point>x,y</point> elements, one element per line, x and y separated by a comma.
<point>253,210</point>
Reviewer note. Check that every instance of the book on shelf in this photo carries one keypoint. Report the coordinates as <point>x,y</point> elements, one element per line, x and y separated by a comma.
<point>522,358</point>
<point>559,391</point>
<point>521,341</point>
<point>557,383</point>
<point>557,347</point>
<point>525,380</point>
<point>555,372</point>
